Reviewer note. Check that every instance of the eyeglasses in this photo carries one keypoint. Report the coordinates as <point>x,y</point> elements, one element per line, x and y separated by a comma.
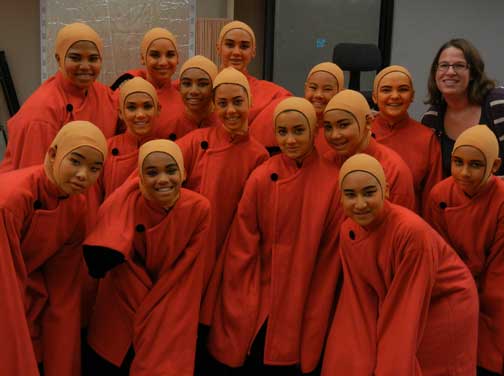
<point>457,67</point>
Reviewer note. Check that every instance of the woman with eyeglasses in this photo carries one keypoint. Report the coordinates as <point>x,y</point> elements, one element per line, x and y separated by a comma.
<point>461,95</point>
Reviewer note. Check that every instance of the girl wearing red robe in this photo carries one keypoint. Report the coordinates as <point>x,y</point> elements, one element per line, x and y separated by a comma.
<point>236,48</point>
<point>408,304</point>
<point>280,265</point>
<point>159,55</point>
<point>138,109</point>
<point>222,157</point>
<point>467,209</point>
<point>71,94</point>
<point>195,85</point>
<point>324,81</point>
<point>42,228</point>
<point>417,145</point>
<point>150,244</point>
<point>347,129</point>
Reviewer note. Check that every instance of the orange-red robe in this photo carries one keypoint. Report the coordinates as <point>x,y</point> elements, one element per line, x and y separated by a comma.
<point>217,166</point>
<point>172,107</point>
<point>419,147</point>
<point>43,234</point>
<point>265,97</point>
<point>56,102</point>
<point>397,173</point>
<point>263,126</point>
<point>408,304</point>
<point>280,265</point>
<point>474,227</point>
<point>183,124</point>
<point>152,300</point>
<point>16,353</point>
<point>320,141</point>
<point>121,161</point>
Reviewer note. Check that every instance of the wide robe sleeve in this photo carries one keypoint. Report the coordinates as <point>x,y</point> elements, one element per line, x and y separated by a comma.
<point>403,313</point>
<point>238,299</point>
<point>491,294</point>
<point>16,353</point>
<point>322,293</point>
<point>61,319</point>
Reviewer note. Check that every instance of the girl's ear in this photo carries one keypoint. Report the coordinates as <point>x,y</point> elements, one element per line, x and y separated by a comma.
<point>496,165</point>
<point>369,121</point>
<point>52,153</point>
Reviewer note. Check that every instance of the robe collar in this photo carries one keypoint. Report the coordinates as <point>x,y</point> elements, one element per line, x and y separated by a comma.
<point>384,124</point>
<point>228,137</point>
<point>72,91</point>
<point>463,198</point>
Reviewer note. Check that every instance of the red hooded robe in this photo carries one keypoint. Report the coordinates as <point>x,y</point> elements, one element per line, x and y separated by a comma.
<point>152,300</point>
<point>474,227</point>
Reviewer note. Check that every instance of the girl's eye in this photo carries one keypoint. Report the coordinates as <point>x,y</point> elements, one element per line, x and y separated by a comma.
<point>152,173</point>
<point>95,169</point>
<point>229,44</point>
<point>238,102</point>
<point>349,194</point>
<point>171,54</point>
<point>154,54</point>
<point>282,132</point>
<point>172,171</point>
<point>343,125</point>
<point>299,131</point>
<point>94,59</point>
<point>327,127</point>
<point>186,83</point>
<point>222,104</point>
<point>131,107</point>
<point>75,162</point>
<point>148,106</point>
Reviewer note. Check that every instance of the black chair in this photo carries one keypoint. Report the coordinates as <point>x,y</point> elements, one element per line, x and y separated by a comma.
<point>357,58</point>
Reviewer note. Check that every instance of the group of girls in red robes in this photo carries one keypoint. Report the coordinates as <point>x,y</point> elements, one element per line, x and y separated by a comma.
<point>211,256</point>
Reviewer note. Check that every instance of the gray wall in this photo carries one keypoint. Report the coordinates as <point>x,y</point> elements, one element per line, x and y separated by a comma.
<point>211,8</point>
<point>421,27</point>
<point>20,39</point>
